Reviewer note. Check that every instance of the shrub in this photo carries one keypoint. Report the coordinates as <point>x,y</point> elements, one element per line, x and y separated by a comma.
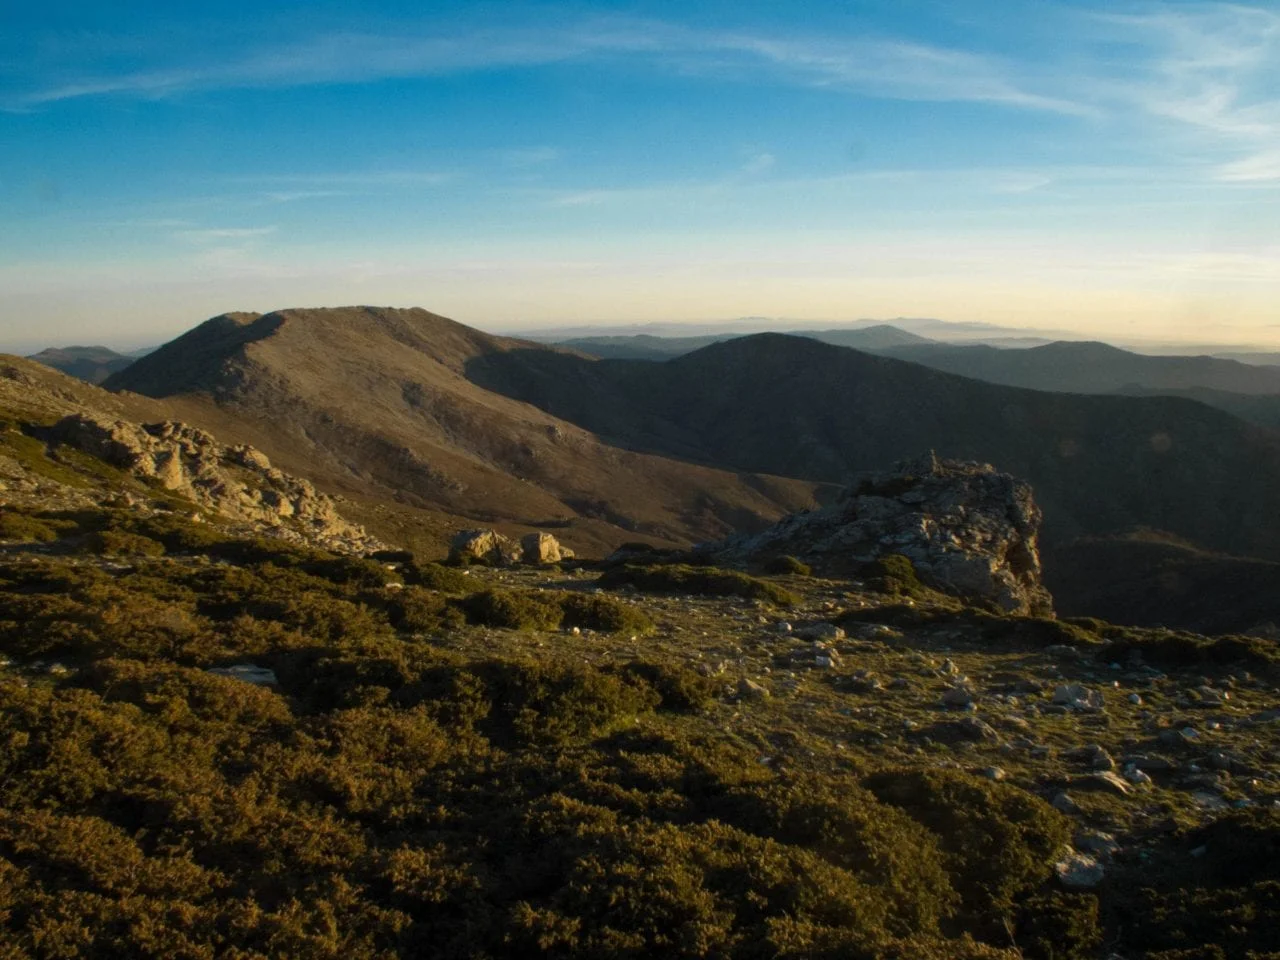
<point>788,565</point>
<point>435,576</point>
<point>514,609</point>
<point>422,611</point>
<point>894,574</point>
<point>25,529</point>
<point>678,687</point>
<point>711,581</point>
<point>605,614</point>
<point>998,839</point>
<point>118,543</point>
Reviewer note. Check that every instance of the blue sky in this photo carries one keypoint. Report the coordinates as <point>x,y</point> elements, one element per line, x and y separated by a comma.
<point>1111,169</point>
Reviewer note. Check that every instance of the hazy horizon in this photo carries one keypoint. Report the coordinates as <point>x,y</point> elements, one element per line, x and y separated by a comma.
<point>1105,169</point>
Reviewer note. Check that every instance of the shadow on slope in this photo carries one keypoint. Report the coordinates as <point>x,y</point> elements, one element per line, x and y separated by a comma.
<point>795,407</point>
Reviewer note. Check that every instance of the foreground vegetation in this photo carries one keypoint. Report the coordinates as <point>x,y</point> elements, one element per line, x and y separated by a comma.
<point>511,763</point>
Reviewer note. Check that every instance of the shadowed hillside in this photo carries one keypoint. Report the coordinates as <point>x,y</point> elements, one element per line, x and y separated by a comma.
<point>93,364</point>
<point>792,406</point>
<point>374,402</point>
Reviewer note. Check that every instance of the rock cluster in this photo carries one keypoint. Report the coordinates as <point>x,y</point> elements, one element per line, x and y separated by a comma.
<point>967,529</point>
<point>493,549</point>
<point>237,482</point>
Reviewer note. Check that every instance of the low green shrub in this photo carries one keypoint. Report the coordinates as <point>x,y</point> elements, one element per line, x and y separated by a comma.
<point>999,840</point>
<point>553,609</point>
<point>678,687</point>
<point>419,610</point>
<point>25,529</point>
<point>514,609</point>
<point>1186,650</point>
<point>1059,926</point>
<point>712,581</point>
<point>435,576</point>
<point>788,565</point>
<point>118,543</point>
<point>894,574</point>
<point>603,613</point>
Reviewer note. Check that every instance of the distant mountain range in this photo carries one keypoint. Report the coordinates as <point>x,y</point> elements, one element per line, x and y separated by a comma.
<point>426,425</point>
<point>1091,367</point>
<point>92,364</point>
<point>648,347</point>
<point>1249,390</point>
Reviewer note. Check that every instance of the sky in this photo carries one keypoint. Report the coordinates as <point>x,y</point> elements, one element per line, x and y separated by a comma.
<point>1110,169</point>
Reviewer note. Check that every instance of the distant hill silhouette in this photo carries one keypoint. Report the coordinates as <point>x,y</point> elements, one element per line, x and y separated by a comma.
<point>375,402</point>
<point>648,347</point>
<point>1090,367</point>
<point>792,406</point>
<point>92,364</point>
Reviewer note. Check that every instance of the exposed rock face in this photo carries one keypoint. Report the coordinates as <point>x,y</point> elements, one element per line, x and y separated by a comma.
<point>967,529</point>
<point>484,546</point>
<point>237,482</point>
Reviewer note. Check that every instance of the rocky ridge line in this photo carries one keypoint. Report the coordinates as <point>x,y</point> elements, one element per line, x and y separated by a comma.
<point>967,528</point>
<point>237,482</point>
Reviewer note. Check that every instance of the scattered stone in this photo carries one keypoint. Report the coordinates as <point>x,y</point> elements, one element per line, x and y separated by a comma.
<point>1063,803</point>
<point>863,682</point>
<point>958,698</point>
<point>1209,697</point>
<point>1096,843</point>
<point>1094,756</point>
<point>820,631</point>
<point>750,690</point>
<point>1137,777</point>
<point>1079,871</point>
<point>1106,782</point>
<point>1076,696</point>
<point>1230,762</point>
<point>993,773</point>
<point>248,673</point>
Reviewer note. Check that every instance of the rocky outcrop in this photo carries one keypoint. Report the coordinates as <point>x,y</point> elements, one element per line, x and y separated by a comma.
<point>237,482</point>
<point>539,548</point>
<point>483,546</point>
<point>967,528</point>
<point>492,548</point>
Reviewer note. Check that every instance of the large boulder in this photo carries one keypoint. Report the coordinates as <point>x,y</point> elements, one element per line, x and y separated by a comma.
<point>537,548</point>
<point>484,546</point>
<point>967,528</point>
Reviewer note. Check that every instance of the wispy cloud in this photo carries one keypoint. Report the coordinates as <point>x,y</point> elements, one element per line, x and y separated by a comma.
<point>312,184</point>
<point>759,163</point>
<point>530,156</point>
<point>1212,71</point>
<point>889,68</point>
<point>900,70</point>
<point>1260,167</point>
<point>218,234</point>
